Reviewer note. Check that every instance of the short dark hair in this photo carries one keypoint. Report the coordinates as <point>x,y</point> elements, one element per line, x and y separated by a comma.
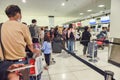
<point>12,10</point>
<point>103,28</point>
<point>70,26</point>
<point>86,28</point>
<point>56,29</point>
<point>42,28</point>
<point>34,20</point>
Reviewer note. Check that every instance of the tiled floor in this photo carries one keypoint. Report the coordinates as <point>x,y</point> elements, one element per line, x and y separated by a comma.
<point>69,68</point>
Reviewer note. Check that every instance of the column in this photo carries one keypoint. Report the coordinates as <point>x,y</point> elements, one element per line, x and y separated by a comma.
<point>51,21</point>
<point>115,19</point>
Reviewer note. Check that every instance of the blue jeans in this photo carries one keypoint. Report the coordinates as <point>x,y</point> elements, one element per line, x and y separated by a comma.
<point>70,45</point>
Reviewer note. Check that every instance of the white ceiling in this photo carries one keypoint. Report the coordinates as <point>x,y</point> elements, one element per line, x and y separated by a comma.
<point>72,8</point>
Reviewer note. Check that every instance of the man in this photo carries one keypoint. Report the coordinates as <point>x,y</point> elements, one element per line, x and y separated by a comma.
<point>34,30</point>
<point>102,34</point>
<point>85,39</point>
<point>15,36</point>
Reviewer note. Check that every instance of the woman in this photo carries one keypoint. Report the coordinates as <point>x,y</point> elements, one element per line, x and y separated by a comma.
<point>85,39</point>
<point>71,38</point>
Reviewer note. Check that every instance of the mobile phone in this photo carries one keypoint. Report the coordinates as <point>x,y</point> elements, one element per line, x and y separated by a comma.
<point>21,68</point>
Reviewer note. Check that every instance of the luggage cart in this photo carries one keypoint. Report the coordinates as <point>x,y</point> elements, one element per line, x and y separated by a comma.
<point>92,50</point>
<point>35,72</point>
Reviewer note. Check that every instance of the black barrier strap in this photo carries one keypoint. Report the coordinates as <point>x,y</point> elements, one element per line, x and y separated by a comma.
<point>103,73</point>
<point>114,63</point>
<point>87,63</point>
<point>104,41</point>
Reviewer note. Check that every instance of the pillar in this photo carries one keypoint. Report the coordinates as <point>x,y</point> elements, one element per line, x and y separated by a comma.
<point>115,19</point>
<point>51,21</point>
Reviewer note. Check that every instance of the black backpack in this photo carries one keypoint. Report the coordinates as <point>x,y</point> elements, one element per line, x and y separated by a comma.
<point>72,37</point>
<point>32,30</point>
<point>67,36</point>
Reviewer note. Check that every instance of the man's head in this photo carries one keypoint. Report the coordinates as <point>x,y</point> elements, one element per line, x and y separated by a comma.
<point>34,21</point>
<point>86,28</point>
<point>13,12</point>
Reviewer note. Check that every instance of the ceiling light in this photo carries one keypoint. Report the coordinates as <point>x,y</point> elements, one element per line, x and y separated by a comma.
<point>24,1</point>
<point>81,13</point>
<point>63,4</point>
<point>89,10</point>
<point>101,5</point>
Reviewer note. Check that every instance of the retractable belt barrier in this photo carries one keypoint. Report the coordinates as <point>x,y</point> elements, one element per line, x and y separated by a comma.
<point>107,42</point>
<point>104,41</point>
<point>108,75</point>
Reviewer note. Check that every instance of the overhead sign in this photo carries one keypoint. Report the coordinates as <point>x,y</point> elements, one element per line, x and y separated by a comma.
<point>105,19</point>
<point>92,22</point>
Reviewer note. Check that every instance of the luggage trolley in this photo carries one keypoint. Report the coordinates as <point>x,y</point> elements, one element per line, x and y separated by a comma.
<point>92,51</point>
<point>35,72</point>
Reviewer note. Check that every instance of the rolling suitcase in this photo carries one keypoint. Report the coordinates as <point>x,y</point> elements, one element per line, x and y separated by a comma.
<point>56,47</point>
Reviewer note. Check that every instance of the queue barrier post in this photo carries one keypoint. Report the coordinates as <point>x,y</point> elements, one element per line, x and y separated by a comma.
<point>109,75</point>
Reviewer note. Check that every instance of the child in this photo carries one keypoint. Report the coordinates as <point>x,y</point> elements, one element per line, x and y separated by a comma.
<point>47,49</point>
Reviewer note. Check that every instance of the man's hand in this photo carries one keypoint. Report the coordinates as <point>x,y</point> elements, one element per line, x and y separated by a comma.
<point>37,52</point>
<point>16,66</point>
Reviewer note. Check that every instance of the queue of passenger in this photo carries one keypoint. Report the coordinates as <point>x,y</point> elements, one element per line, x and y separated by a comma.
<point>20,41</point>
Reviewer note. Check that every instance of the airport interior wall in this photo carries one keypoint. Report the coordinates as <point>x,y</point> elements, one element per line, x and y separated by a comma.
<point>115,19</point>
<point>42,20</point>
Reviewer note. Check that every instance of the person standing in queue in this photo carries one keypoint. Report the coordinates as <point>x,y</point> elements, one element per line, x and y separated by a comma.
<point>14,37</point>
<point>34,30</point>
<point>42,33</point>
<point>71,38</point>
<point>51,34</point>
<point>85,39</point>
<point>64,31</point>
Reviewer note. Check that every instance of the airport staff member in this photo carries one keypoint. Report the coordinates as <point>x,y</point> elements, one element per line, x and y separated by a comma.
<point>15,36</point>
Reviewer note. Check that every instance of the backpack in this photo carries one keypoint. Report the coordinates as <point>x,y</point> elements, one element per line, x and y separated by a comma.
<point>32,31</point>
<point>67,36</point>
<point>72,37</point>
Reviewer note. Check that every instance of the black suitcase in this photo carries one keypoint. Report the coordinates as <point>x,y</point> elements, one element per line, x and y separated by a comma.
<point>56,47</point>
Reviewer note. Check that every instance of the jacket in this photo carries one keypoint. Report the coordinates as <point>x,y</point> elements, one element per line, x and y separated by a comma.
<point>85,38</point>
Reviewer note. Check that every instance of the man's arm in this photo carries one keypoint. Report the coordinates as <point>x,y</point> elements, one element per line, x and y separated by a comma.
<point>33,50</point>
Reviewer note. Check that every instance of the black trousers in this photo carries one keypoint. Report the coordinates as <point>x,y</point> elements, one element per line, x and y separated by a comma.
<point>85,50</point>
<point>47,59</point>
